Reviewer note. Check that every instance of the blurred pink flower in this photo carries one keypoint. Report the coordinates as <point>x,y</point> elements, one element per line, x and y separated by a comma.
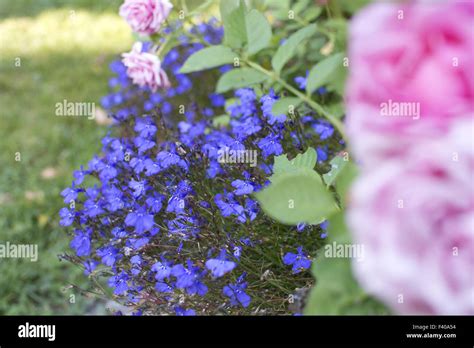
<point>415,218</point>
<point>145,16</point>
<point>145,68</point>
<point>411,73</point>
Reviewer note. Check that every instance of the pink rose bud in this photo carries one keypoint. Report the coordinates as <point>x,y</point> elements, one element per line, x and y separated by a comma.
<point>145,16</point>
<point>145,68</point>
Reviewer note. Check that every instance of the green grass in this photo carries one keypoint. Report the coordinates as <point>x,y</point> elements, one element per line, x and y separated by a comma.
<point>27,8</point>
<point>62,57</point>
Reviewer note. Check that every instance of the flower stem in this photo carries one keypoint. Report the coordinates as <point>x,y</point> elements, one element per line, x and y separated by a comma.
<point>315,106</point>
<point>163,46</point>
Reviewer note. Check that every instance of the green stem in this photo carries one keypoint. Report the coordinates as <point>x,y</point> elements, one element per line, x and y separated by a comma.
<point>184,7</point>
<point>315,106</point>
<point>328,11</point>
<point>163,45</point>
<point>335,8</point>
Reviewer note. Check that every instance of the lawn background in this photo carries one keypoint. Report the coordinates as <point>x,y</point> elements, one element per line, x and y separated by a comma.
<point>65,48</point>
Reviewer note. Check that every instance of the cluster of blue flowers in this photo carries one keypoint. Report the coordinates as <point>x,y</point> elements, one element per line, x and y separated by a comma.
<point>169,209</point>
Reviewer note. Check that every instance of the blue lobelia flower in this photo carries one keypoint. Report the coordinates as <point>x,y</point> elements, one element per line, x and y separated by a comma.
<point>198,288</point>
<point>300,227</point>
<point>323,129</point>
<point>242,187</point>
<point>69,194</point>
<point>189,279</point>
<point>107,172</point>
<point>119,283</point>
<point>322,152</point>
<point>151,167</point>
<point>145,128</point>
<point>108,254</point>
<point>137,243</point>
<point>220,266</point>
<point>67,217</point>
<point>138,164</point>
<point>162,269</point>
<point>237,295</point>
<point>301,81</point>
<point>79,176</point>
<point>324,226</point>
<point>89,266</point>
<point>270,145</point>
<point>113,197</point>
<point>138,187</point>
<point>140,219</point>
<point>163,287</point>
<point>184,312</point>
<point>299,261</point>
<point>228,206</point>
<point>267,101</point>
<point>184,276</point>
<point>155,203</point>
<point>167,159</point>
<point>143,144</point>
<point>81,243</point>
<point>217,100</point>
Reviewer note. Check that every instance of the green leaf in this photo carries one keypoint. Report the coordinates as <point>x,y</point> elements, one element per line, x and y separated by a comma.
<point>281,164</point>
<point>300,5</point>
<point>238,78</point>
<point>337,164</point>
<point>257,4</point>
<point>279,8</point>
<point>315,44</point>
<point>282,106</point>
<point>233,18</point>
<point>226,7</point>
<point>230,101</point>
<point>312,13</point>
<point>308,159</point>
<point>344,181</point>
<point>198,6</point>
<point>207,58</point>
<point>296,196</point>
<point>221,121</point>
<point>354,5</point>
<point>288,49</point>
<point>336,291</point>
<point>337,83</point>
<point>259,32</point>
<point>338,28</point>
<point>244,27</point>
<point>337,229</point>
<point>321,73</point>
<point>337,109</point>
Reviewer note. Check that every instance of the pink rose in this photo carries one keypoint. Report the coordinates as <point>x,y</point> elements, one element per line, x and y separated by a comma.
<point>145,16</point>
<point>415,218</point>
<point>145,68</point>
<point>411,73</point>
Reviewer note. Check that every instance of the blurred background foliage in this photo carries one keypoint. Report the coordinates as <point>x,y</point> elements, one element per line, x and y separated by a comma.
<point>64,47</point>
